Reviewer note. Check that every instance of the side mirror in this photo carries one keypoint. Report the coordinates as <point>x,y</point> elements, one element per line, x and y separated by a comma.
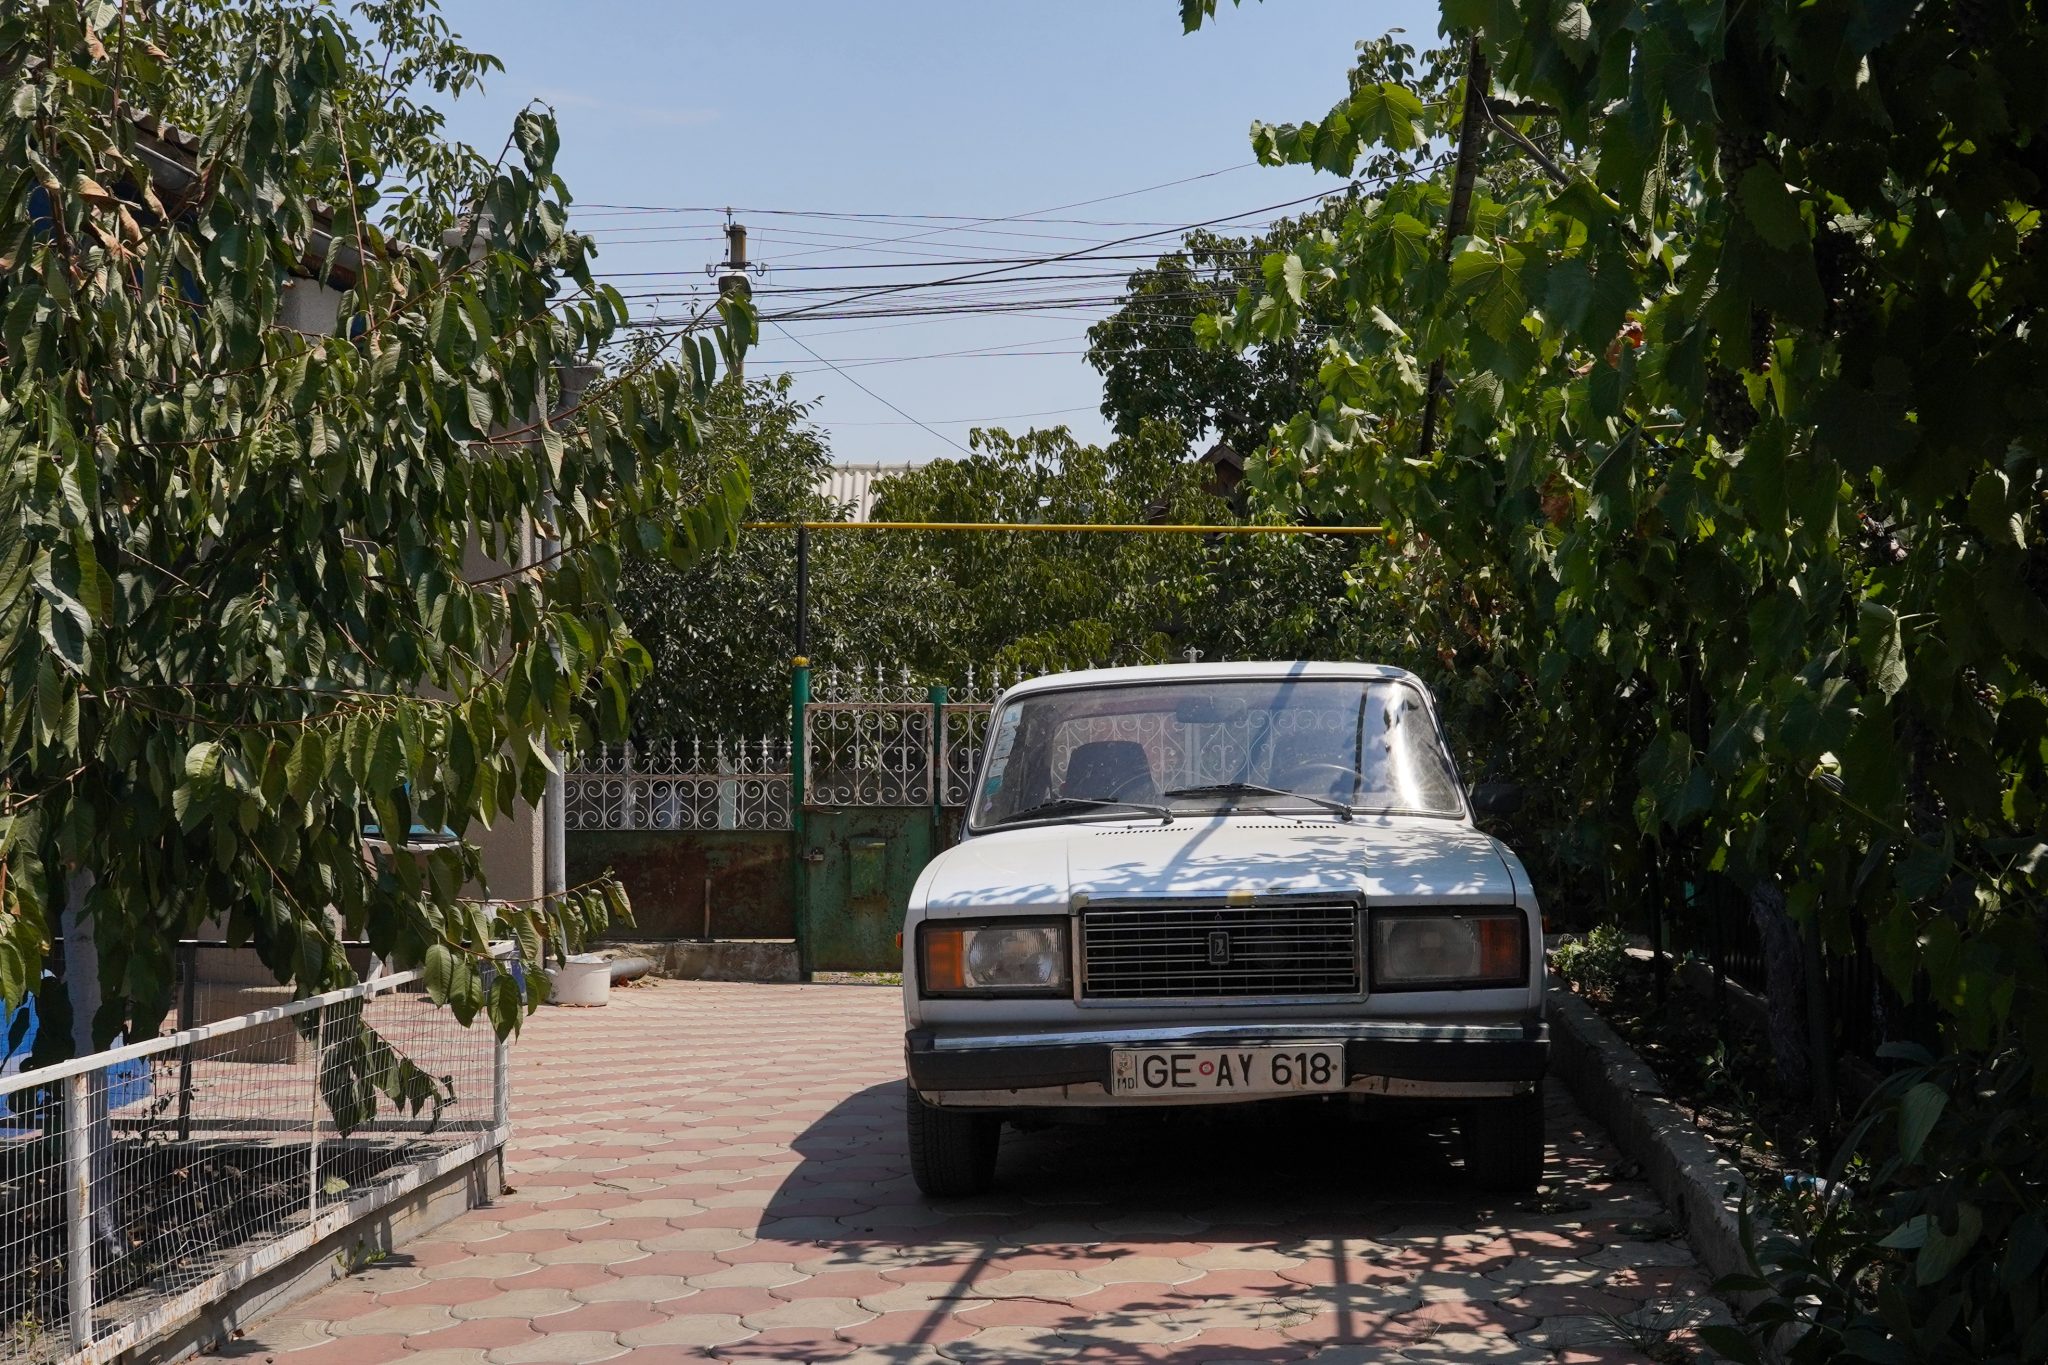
<point>1496,798</point>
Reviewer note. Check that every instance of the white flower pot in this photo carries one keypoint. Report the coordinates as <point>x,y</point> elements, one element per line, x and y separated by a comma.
<point>585,979</point>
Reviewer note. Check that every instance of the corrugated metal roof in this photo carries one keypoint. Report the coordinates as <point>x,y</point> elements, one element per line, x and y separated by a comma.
<point>852,486</point>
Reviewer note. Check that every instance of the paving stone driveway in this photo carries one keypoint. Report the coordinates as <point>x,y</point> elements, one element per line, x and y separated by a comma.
<point>717,1171</point>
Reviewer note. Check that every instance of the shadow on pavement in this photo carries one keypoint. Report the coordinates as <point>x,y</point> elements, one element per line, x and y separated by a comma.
<point>1221,1199</point>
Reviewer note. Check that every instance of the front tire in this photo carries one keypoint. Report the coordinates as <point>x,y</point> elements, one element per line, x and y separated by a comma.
<point>952,1151</point>
<point>1504,1143</point>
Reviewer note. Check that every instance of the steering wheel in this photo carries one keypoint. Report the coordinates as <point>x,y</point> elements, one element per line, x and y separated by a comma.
<point>1122,790</point>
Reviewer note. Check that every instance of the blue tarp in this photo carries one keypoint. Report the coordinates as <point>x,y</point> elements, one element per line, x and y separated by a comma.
<point>127,1082</point>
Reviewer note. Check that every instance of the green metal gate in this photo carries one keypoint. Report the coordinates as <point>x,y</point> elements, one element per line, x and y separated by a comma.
<point>885,769</point>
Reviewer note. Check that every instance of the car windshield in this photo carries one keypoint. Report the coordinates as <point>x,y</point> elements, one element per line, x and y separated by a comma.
<point>1208,745</point>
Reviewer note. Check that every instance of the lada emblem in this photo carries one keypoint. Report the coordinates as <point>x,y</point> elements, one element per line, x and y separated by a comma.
<point>1219,948</point>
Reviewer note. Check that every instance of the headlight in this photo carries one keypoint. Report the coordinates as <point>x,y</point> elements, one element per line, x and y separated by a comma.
<point>1005,958</point>
<point>1434,949</point>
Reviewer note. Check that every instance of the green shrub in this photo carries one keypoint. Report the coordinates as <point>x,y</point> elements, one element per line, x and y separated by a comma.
<point>1593,965</point>
<point>1926,1241</point>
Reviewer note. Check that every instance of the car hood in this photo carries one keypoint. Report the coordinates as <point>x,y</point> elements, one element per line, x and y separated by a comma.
<point>1390,860</point>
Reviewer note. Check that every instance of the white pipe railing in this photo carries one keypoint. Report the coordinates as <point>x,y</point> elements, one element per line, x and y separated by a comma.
<point>141,1184</point>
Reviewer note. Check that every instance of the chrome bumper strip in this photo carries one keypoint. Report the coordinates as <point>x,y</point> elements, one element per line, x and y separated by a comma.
<point>1307,1030</point>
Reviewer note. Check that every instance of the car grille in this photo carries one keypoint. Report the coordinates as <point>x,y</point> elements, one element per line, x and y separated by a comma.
<point>1143,952</point>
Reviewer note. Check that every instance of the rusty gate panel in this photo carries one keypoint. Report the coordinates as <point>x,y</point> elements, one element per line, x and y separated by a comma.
<point>744,877</point>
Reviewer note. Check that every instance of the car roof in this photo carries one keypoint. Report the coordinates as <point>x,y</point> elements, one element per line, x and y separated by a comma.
<point>1267,670</point>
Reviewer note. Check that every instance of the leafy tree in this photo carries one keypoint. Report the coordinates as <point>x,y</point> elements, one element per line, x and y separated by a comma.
<point>1739,501</point>
<point>1152,370</point>
<point>1046,601</point>
<point>719,633</point>
<point>393,54</point>
<point>1145,351</point>
<point>259,583</point>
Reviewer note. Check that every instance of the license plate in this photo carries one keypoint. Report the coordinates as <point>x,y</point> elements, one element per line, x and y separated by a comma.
<point>1203,1071</point>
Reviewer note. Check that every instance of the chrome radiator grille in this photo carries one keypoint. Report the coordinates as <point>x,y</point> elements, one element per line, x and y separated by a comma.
<point>1206,951</point>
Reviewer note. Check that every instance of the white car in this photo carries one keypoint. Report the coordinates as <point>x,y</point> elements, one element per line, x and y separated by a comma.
<point>1213,884</point>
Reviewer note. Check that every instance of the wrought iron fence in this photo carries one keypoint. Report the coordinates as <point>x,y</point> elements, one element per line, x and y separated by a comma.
<point>140,1184</point>
<point>670,786</point>
<point>876,739</point>
<point>868,753</point>
<point>963,729</point>
<point>870,737</point>
<point>1863,1012</point>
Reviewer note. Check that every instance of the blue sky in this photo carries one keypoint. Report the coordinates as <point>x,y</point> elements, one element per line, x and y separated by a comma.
<point>789,109</point>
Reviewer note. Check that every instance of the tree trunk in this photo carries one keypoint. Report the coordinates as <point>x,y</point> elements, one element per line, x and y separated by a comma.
<point>82,988</point>
<point>1784,987</point>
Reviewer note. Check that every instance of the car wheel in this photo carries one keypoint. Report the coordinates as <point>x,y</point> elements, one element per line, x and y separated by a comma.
<point>1504,1143</point>
<point>952,1151</point>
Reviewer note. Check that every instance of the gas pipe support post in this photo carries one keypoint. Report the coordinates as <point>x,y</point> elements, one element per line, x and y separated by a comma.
<point>799,701</point>
<point>940,766</point>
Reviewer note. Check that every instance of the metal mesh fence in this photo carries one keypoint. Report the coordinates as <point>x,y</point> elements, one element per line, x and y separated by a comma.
<point>136,1185</point>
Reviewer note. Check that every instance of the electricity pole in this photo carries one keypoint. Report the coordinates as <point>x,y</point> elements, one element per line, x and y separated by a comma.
<point>732,275</point>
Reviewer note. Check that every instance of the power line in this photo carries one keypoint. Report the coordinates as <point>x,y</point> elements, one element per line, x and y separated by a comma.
<point>876,396</point>
<point>1079,203</point>
<point>723,209</point>
<point>973,421</point>
<point>911,265</point>
<point>1069,255</point>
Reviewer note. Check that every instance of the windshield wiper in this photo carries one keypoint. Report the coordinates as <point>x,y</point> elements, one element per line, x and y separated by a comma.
<point>1066,803</point>
<point>1254,789</point>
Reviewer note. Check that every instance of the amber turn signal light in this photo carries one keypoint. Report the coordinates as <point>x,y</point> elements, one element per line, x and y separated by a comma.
<point>942,959</point>
<point>1500,948</point>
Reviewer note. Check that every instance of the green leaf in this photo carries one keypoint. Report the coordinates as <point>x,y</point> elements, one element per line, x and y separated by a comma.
<point>1384,113</point>
<point>1943,1251</point>
<point>1923,871</point>
<point>1919,1109</point>
<point>1569,293</point>
<point>203,764</point>
<point>481,416</point>
<point>2025,1249</point>
<point>506,1007</point>
<point>1910,1235</point>
<point>1770,208</point>
<point>437,969</point>
<point>1668,772</point>
<point>306,769</point>
<point>465,988</point>
<point>387,759</point>
<point>13,986</point>
<point>1884,648</point>
<point>1991,513</point>
<point>1489,277</point>
<point>1574,31</point>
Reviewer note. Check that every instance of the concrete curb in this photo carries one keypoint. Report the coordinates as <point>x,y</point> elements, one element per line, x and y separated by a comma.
<point>1703,1189</point>
<point>742,959</point>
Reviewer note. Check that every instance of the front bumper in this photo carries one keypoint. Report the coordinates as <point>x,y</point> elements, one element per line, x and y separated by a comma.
<point>1072,1065</point>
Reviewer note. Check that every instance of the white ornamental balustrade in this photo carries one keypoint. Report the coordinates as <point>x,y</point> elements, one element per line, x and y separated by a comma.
<point>736,785</point>
<point>871,737</point>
